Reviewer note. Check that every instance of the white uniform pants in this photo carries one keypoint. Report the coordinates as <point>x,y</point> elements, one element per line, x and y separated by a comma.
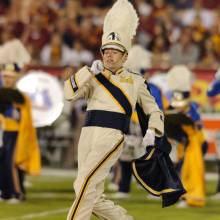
<point>98,150</point>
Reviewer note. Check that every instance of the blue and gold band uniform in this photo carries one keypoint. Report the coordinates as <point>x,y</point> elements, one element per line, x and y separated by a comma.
<point>20,148</point>
<point>191,145</point>
<point>20,151</point>
<point>8,184</point>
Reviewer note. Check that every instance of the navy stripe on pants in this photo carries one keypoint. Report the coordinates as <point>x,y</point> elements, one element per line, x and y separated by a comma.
<point>126,174</point>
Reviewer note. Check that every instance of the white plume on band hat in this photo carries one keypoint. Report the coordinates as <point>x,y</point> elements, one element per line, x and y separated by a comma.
<point>138,59</point>
<point>120,26</point>
<point>14,52</point>
<point>179,80</point>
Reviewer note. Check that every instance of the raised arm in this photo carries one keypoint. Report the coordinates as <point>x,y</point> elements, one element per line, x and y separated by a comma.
<point>78,85</point>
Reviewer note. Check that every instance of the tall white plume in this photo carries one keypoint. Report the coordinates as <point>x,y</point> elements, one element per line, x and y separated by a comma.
<point>14,52</point>
<point>122,18</point>
<point>179,78</point>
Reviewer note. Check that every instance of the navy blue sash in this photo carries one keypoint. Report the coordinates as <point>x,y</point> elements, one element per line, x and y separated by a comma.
<point>116,93</point>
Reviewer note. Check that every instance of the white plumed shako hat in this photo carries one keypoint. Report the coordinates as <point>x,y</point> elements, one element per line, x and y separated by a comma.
<point>179,80</point>
<point>120,26</point>
<point>13,56</point>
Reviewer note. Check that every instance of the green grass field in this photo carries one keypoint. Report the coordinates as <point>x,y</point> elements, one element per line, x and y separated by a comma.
<point>50,197</point>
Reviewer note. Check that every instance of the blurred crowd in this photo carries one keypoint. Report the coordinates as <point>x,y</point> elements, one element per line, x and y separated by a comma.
<point>68,32</point>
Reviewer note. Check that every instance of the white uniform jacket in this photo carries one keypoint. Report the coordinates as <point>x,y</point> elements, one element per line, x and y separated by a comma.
<point>101,96</point>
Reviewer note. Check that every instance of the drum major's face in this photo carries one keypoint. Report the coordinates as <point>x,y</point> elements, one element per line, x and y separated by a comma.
<point>113,59</point>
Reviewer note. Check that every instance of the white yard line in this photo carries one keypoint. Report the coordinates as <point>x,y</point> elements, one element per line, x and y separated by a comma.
<point>59,172</point>
<point>211,176</point>
<point>51,172</point>
<point>50,195</point>
<point>38,215</point>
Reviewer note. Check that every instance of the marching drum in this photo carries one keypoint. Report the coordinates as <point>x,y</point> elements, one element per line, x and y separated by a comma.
<point>46,94</point>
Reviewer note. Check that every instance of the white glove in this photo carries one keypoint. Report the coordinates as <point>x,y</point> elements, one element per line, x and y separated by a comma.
<point>97,67</point>
<point>149,138</point>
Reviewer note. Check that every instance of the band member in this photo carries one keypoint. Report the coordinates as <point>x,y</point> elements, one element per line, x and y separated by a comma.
<point>112,93</point>
<point>183,124</point>
<point>20,151</point>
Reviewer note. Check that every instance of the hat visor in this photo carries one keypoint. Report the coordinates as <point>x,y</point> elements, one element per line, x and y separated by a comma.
<point>113,46</point>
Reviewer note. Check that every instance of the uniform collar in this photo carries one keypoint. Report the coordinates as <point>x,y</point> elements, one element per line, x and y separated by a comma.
<point>109,72</point>
<point>119,71</point>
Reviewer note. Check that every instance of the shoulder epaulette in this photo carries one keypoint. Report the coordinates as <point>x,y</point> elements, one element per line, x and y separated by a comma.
<point>130,71</point>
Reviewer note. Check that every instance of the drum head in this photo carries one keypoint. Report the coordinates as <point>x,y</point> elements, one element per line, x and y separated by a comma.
<point>46,94</point>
